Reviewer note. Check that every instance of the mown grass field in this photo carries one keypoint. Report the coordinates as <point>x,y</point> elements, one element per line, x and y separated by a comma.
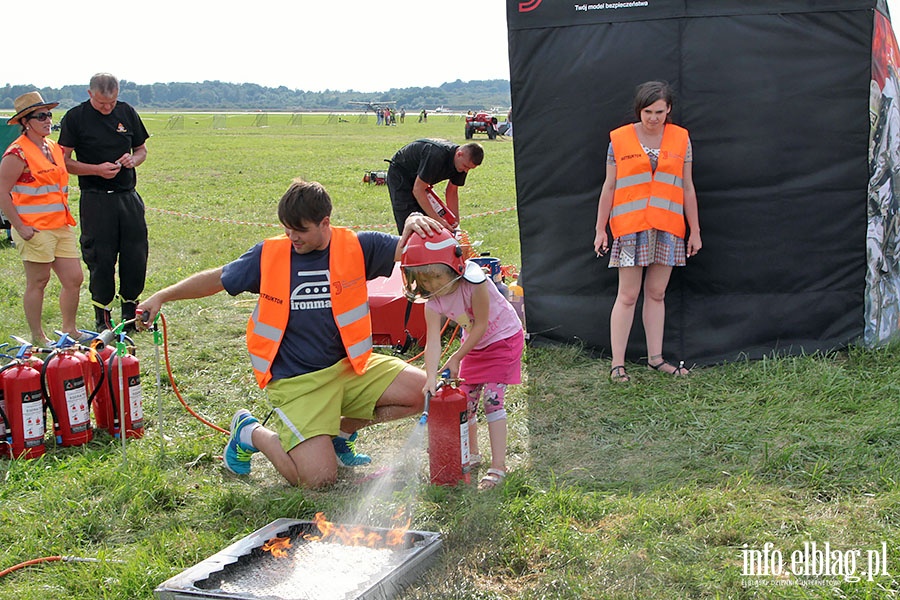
<point>659,489</point>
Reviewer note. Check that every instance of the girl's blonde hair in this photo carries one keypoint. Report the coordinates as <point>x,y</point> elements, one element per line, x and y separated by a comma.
<point>411,277</point>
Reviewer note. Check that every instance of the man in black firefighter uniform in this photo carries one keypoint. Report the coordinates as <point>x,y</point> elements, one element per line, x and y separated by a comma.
<point>424,163</point>
<point>107,138</point>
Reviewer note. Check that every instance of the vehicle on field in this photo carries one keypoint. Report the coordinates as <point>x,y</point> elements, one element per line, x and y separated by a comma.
<point>481,122</point>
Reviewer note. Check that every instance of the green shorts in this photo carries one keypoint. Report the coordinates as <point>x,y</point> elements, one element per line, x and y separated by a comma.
<point>313,404</point>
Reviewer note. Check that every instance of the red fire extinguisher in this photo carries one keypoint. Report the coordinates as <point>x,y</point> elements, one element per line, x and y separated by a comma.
<point>440,208</point>
<point>64,387</point>
<point>447,414</point>
<point>22,407</point>
<point>123,376</point>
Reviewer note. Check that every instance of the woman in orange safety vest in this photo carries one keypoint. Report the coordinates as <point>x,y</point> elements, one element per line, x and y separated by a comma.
<point>34,195</point>
<point>646,198</point>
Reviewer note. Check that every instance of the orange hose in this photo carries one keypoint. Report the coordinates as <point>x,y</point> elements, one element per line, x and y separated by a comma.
<point>443,329</point>
<point>172,380</point>
<point>450,341</point>
<point>28,563</point>
<point>175,389</point>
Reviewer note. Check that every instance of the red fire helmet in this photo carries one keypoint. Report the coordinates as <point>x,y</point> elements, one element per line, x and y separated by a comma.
<point>440,248</point>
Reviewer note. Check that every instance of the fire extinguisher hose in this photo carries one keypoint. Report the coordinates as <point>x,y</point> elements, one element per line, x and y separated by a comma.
<point>165,331</point>
<point>46,559</point>
<point>175,389</point>
<point>3,414</point>
<point>46,391</point>
<point>94,356</point>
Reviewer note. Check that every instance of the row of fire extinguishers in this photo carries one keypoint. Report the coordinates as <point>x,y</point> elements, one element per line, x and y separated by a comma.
<point>68,382</point>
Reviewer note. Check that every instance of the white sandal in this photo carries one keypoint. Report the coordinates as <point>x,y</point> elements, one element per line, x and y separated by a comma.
<point>491,479</point>
<point>475,460</point>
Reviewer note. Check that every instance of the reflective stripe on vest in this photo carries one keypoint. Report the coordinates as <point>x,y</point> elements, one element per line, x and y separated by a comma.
<point>349,302</point>
<point>268,332</point>
<point>40,191</point>
<point>350,296</point>
<point>43,202</point>
<point>26,209</point>
<point>270,316</point>
<point>643,199</point>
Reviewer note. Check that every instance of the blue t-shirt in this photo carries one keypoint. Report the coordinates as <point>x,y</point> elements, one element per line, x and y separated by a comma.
<point>311,340</point>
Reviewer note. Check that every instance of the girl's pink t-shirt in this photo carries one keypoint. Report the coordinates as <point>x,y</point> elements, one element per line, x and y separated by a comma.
<point>457,306</point>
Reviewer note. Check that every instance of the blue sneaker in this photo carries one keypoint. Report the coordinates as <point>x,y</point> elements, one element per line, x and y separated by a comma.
<point>236,457</point>
<point>346,451</point>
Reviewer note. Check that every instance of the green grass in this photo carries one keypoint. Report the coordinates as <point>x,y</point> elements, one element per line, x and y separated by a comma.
<point>647,490</point>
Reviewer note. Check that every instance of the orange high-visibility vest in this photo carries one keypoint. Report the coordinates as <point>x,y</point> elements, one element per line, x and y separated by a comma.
<point>43,202</point>
<point>645,199</point>
<point>349,302</point>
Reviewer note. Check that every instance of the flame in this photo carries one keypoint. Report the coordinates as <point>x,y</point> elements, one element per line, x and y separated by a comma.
<point>358,535</point>
<point>278,546</point>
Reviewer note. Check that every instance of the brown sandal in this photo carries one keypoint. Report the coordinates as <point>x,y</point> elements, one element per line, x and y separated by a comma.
<point>679,371</point>
<point>619,375</point>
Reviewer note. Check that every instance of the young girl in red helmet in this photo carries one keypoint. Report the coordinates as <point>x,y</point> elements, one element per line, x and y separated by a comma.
<point>489,357</point>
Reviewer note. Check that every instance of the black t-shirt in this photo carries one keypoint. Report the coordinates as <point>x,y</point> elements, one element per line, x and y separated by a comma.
<point>429,160</point>
<point>98,138</point>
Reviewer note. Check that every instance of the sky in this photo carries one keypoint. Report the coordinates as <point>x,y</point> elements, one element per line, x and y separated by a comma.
<point>894,9</point>
<point>309,45</point>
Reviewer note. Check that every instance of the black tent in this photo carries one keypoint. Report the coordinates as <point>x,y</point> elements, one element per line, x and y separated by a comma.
<point>791,109</point>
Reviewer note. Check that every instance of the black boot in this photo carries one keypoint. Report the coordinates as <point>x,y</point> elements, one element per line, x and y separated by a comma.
<point>102,319</point>
<point>128,312</point>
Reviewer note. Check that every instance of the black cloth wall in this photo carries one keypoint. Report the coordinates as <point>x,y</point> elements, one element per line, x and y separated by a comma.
<point>775,95</point>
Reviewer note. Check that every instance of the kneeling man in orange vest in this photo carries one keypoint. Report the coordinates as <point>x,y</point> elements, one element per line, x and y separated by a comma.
<point>310,338</point>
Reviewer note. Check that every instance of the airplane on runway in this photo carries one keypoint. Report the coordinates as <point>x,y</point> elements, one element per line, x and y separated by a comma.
<point>374,105</point>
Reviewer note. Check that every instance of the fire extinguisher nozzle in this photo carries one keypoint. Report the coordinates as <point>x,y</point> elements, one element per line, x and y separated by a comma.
<point>424,418</point>
<point>105,338</point>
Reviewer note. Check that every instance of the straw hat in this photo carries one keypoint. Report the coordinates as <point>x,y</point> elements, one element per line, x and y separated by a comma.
<point>27,104</point>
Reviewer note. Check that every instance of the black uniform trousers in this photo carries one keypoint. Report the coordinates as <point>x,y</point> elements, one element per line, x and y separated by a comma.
<point>403,202</point>
<point>113,228</point>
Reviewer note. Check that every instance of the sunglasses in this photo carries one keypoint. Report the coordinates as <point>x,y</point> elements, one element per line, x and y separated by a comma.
<point>40,116</point>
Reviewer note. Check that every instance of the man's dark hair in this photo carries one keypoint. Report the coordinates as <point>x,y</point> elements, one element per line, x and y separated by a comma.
<point>649,92</point>
<point>304,203</point>
<point>474,151</point>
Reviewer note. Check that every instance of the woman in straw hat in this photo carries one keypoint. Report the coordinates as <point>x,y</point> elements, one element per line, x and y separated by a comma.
<point>34,196</point>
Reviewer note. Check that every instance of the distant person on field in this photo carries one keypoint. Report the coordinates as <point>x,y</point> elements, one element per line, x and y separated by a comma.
<point>422,164</point>
<point>489,357</point>
<point>107,138</point>
<point>310,338</point>
<point>34,195</point>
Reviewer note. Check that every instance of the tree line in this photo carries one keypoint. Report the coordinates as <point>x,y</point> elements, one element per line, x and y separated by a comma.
<point>218,95</point>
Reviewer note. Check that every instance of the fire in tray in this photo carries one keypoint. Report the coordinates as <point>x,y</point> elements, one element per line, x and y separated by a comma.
<point>343,534</point>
